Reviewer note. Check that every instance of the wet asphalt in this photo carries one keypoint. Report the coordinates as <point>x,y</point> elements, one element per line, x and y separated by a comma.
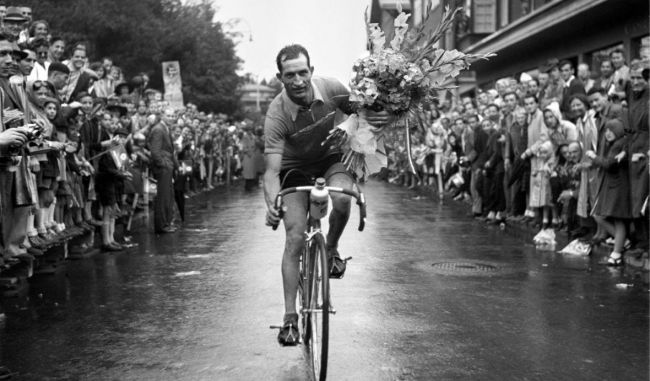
<point>430,294</point>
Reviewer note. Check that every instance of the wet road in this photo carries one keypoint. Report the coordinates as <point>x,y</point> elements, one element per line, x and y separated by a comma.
<point>196,305</point>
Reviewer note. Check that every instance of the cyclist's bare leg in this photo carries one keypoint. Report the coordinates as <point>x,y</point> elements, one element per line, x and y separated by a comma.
<point>295,223</point>
<point>337,177</point>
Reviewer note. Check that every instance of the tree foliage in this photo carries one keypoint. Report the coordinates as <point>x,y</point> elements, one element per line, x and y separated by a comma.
<point>140,35</point>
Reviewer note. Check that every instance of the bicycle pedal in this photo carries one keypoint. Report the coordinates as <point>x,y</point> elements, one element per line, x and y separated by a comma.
<point>347,259</point>
<point>275,327</point>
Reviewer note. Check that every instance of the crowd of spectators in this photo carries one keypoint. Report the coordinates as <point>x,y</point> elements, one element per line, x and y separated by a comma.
<point>564,149</point>
<point>81,145</point>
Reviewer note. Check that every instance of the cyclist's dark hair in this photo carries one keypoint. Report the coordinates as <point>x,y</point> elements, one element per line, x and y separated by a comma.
<point>290,52</point>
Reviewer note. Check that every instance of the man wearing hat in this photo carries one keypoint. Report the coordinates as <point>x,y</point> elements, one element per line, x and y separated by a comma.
<point>14,23</point>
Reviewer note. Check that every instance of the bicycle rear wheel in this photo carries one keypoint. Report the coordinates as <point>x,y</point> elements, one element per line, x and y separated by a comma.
<point>317,317</point>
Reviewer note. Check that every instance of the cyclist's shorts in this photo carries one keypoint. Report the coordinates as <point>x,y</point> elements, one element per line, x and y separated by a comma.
<point>295,177</point>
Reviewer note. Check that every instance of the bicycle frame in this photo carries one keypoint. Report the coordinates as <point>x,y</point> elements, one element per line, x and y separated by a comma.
<point>314,276</point>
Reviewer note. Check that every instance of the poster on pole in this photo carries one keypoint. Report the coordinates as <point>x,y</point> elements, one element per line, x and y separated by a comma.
<point>173,85</point>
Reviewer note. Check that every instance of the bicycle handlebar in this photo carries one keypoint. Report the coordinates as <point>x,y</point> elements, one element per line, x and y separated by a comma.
<point>361,200</point>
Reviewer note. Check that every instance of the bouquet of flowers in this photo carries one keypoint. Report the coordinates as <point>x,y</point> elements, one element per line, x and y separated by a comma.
<point>398,78</point>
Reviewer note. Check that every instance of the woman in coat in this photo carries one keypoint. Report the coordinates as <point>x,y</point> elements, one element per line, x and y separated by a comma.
<point>612,205</point>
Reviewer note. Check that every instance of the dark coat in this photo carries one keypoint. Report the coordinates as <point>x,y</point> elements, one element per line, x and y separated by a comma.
<point>613,195</point>
<point>480,147</point>
<point>638,172</point>
<point>83,83</point>
<point>576,87</point>
<point>162,148</point>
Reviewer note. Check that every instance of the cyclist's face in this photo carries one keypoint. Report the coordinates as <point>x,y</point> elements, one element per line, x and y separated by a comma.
<point>296,78</point>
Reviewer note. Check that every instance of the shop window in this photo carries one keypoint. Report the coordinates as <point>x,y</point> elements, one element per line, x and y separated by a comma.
<point>519,8</point>
<point>485,16</point>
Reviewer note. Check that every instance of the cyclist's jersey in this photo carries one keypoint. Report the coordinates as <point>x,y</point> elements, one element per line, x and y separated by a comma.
<point>297,132</point>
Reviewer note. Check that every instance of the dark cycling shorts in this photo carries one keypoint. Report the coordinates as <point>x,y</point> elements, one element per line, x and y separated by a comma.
<point>295,177</point>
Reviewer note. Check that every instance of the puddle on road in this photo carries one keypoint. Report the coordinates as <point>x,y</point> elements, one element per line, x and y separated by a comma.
<point>195,256</point>
<point>187,273</point>
<point>197,230</point>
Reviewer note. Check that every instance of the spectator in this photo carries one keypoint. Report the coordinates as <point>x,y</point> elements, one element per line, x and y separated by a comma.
<point>26,64</point>
<point>537,133</point>
<point>13,23</point>
<point>572,86</point>
<point>612,207</point>
<point>559,130</point>
<point>3,12</point>
<point>621,72</point>
<point>41,47</point>
<point>164,163</point>
<point>637,152</point>
<point>606,80</point>
<point>516,145</point>
<point>554,90</point>
<point>584,75</point>
<point>39,29</point>
<point>57,47</point>
<point>57,75</point>
<point>588,138</point>
<point>568,176</point>
<point>493,187</point>
<point>79,79</point>
<point>533,87</point>
<point>110,177</point>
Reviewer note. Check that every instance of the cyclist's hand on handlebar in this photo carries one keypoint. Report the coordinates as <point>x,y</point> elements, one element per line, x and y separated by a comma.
<point>273,216</point>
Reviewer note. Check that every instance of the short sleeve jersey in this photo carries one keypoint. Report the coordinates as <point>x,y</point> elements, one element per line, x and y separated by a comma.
<point>297,132</point>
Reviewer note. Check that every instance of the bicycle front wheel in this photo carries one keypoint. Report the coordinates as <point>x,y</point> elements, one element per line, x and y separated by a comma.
<point>319,306</point>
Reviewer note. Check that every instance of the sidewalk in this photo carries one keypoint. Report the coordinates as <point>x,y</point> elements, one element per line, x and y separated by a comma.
<point>637,266</point>
<point>74,244</point>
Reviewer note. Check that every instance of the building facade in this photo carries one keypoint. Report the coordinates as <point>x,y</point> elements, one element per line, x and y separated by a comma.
<point>526,33</point>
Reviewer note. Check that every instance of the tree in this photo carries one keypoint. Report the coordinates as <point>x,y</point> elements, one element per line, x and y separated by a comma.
<point>140,35</point>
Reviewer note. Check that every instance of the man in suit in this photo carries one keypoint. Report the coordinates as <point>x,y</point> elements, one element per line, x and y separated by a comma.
<point>572,86</point>
<point>163,163</point>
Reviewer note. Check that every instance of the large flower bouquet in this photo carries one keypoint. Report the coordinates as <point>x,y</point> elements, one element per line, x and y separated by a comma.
<point>398,78</point>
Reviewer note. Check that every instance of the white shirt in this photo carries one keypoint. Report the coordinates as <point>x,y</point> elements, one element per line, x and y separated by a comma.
<point>39,73</point>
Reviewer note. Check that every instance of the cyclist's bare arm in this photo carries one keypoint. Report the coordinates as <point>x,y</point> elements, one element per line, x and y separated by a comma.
<point>272,179</point>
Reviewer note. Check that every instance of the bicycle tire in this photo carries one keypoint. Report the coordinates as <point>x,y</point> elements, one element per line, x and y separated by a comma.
<point>317,322</point>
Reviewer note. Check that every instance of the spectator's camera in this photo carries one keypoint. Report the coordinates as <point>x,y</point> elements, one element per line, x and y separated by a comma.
<point>33,131</point>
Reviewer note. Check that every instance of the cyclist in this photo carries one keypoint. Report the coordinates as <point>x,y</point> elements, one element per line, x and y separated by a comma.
<point>297,122</point>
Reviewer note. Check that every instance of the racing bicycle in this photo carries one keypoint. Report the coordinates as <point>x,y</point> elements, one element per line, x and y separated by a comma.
<point>314,287</point>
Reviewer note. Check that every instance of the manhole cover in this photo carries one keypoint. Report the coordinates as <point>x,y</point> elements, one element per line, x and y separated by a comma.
<point>466,268</point>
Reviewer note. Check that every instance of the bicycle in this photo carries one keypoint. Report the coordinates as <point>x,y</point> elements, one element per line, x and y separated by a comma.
<point>314,287</point>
